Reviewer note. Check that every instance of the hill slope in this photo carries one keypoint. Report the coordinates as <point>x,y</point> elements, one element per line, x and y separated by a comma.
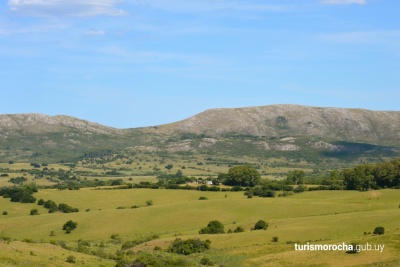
<point>253,131</point>
<point>352,125</point>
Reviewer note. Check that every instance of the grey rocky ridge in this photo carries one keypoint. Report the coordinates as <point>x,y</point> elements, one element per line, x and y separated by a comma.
<point>285,128</point>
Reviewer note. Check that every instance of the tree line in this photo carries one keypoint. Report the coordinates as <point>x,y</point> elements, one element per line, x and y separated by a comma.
<point>372,176</point>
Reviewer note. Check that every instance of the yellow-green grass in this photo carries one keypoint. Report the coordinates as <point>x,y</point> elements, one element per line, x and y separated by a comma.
<point>322,217</point>
<point>18,253</point>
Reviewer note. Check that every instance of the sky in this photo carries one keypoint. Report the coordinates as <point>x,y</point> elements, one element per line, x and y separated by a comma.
<point>134,63</point>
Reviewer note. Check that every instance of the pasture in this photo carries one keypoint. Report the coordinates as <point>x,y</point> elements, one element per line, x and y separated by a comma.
<point>320,217</point>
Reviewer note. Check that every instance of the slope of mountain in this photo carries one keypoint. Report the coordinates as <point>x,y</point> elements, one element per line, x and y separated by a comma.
<point>254,131</point>
<point>352,125</point>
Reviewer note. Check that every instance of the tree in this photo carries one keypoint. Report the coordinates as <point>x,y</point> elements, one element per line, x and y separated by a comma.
<point>213,227</point>
<point>169,167</point>
<point>379,230</point>
<point>296,176</point>
<point>51,205</point>
<point>69,226</point>
<point>260,225</point>
<point>242,176</point>
<point>179,174</point>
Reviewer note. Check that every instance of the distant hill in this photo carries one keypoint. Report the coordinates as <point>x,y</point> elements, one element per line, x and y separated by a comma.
<point>352,125</point>
<point>284,129</point>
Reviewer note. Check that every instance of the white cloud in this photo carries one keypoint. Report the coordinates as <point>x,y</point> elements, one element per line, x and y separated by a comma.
<point>52,8</point>
<point>344,2</point>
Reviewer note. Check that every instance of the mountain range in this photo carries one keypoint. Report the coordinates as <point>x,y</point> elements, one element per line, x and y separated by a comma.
<point>275,129</point>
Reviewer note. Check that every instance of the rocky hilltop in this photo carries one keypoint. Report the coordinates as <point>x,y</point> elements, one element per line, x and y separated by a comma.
<point>40,123</point>
<point>355,125</point>
<point>253,130</point>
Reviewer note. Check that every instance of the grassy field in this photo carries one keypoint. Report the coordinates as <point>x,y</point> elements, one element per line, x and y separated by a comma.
<point>322,217</point>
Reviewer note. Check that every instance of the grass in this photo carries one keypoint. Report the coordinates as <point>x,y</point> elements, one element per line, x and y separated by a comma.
<point>18,253</point>
<point>321,216</point>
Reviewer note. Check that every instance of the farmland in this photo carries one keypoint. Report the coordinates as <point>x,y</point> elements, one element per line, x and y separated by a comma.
<point>109,218</point>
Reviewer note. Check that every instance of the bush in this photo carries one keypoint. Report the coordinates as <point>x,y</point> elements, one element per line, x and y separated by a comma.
<point>260,225</point>
<point>160,259</point>
<point>40,202</point>
<point>5,212</point>
<point>203,198</point>
<point>213,227</point>
<point>206,261</point>
<point>379,230</point>
<point>355,249</point>
<point>189,246</point>
<point>71,259</point>
<point>34,212</point>
<point>239,229</point>
<point>275,239</point>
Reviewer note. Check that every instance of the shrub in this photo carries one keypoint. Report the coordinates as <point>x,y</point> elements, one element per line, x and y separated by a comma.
<point>239,229</point>
<point>71,259</point>
<point>149,202</point>
<point>40,202</point>
<point>34,212</point>
<point>260,225</point>
<point>189,246</point>
<point>379,230</point>
<point>5,212</point>
<point>275,239</point>
<point>203,198</point>
<point>206,261</point>
<point>213,227</point>
<point>160,259</point>
<point>355,249</point>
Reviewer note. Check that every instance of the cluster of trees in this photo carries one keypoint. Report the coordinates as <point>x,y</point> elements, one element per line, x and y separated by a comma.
<point>189,246</point>
<point>216,227</point>
<point>245,175</point>
<point>23,194</point>
<point>177,178</point>
<point>18,180</point>
<point>296,177</point>
<point>52,206</point>
<point>372,176</point>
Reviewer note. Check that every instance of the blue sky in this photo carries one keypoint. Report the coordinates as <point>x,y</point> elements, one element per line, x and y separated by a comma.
<point>132,63</point>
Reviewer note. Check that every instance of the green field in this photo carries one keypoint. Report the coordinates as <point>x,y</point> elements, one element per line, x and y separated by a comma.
<point>322,217</point>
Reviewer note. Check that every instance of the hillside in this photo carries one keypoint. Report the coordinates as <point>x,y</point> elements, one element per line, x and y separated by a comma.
<point>352,125</point>
<point>276,130</point>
